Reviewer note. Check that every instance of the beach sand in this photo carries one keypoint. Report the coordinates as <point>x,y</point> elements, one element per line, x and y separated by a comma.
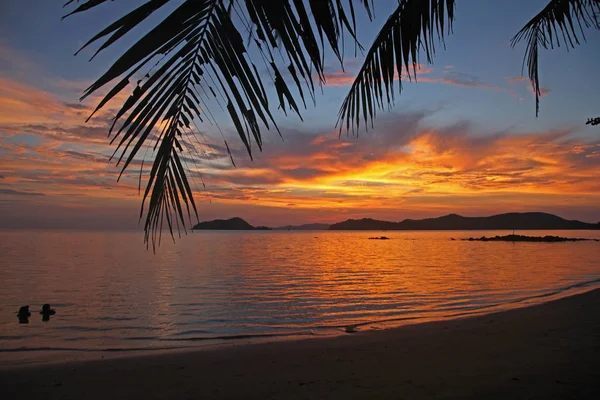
<point>547,351</point>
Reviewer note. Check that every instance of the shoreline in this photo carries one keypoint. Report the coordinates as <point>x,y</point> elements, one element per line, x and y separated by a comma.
<point>544,350</point>
<point>33,357</point>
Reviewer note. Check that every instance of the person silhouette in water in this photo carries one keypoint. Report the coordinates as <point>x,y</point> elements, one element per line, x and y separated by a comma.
<point>47,312</point>
<point>24,315</point>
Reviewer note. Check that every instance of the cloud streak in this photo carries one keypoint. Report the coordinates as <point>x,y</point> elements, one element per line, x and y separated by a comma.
<point>12,192</point>
<point>414,167</point>
<point>405,167</point>
<point>423,74</point>
<point>404,164</point>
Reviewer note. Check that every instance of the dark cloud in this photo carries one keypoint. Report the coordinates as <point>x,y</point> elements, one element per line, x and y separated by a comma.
<point>92,157</point>
<point>467,80</point>
<point>79,134</point>
<point>12,192</point>
<point>239,177</point>
<point>304,173</point>
<point>77,106</point>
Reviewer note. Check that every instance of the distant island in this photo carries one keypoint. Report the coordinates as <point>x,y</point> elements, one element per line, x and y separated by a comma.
<point>521,238</point>
<point>508,221</point>
<point>239,224</point>
<point>232,224</point>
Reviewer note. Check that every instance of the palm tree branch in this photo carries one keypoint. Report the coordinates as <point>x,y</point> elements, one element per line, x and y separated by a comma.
<point>556,20</point>
<point>198,51</point>
<point>593,121</point>
<point>413,27</point>
<point>88,5</point>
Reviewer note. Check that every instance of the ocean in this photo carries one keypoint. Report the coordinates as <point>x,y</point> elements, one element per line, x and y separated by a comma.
<point>111,294</point>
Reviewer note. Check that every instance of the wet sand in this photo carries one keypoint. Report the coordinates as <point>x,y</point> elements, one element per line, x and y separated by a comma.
<point>547,351</point>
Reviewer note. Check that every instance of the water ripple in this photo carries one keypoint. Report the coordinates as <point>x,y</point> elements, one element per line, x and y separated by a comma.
<point>110,293</point>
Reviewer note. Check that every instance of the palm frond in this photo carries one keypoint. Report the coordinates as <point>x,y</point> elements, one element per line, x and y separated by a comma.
<point>593,121</point>
<point>415,26</point>
<point>564,19</point>
<point>87,5</point>
<point>197,56</point>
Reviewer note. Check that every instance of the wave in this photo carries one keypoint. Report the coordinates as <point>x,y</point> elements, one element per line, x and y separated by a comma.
<point>560,290</point>
<point>309,331</point>
<point>476,309</point>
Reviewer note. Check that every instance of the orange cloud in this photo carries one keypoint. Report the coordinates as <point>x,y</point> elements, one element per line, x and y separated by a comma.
<point>20,103</point>
<point>520,83</point>
<point>339,78</point>
<point>402,166</point>
<point>448,76</point>
<point>345,78</point>
<point>414,168</point>
<point>407,169</point>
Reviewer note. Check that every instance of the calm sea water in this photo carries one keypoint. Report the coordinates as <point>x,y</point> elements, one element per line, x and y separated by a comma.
<point>110,293</point>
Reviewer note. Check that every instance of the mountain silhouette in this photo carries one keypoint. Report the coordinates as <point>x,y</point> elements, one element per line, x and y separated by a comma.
<point>232,224</point>
<point>509,221</point>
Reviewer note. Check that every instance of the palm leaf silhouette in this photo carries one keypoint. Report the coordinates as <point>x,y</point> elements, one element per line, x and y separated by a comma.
<point>593,121</point>
<point>197,57</point>
<point>560,18</point>
<point>413,27</point>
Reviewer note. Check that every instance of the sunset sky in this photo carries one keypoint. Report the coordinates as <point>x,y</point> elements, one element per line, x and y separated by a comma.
<point>463,139</point>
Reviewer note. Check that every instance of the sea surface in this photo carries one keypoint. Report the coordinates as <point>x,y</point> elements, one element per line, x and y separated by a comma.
<point>110,293</point>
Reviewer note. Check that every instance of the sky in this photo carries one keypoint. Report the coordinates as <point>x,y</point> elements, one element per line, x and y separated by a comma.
<point>462,139</point>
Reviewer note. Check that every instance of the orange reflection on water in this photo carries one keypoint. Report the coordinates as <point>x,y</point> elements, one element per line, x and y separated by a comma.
<point>109,292</point>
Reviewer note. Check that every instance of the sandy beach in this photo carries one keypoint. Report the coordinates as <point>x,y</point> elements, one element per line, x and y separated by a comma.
<point>547,351</point>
